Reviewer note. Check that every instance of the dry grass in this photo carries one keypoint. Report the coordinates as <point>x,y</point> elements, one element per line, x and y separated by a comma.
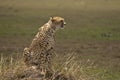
<point>69,65</point>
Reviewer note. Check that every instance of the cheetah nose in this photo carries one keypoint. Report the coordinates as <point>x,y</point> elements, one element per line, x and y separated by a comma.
<point>64,23</point>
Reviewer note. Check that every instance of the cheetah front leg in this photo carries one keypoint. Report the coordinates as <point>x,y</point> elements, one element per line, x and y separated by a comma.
<point>26,56</point>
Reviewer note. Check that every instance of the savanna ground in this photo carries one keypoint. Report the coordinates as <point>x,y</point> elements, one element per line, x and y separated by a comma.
<point>91,36</point>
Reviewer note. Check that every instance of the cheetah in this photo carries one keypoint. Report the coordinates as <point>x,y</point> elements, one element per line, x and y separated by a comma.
<point>38,55</point>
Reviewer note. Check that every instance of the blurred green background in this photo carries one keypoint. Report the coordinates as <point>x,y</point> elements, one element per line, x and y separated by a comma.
<point>92,30</point>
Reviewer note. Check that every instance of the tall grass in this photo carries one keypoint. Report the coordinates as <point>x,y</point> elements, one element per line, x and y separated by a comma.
<point>69,65</point>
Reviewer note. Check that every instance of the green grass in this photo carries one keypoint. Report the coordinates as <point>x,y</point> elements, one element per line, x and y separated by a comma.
<point>79,30</point>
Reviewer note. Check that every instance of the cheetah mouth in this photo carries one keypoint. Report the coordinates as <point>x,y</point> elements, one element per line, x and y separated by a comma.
<point>63,25</point>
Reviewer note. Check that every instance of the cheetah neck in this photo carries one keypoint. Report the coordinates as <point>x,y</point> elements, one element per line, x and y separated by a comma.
<point>51,26</point>
<point>47,29</point>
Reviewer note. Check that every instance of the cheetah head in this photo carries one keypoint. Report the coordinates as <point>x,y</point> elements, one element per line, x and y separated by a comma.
<point>57,22</point>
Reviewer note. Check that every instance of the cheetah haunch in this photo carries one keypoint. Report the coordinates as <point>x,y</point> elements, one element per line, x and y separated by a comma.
<point>38,55</point>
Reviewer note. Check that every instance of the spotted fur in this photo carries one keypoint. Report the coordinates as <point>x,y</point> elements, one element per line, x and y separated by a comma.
<point>39,54</point>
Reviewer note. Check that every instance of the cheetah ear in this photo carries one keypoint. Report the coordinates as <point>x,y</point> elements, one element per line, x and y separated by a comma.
<point>51,18</point>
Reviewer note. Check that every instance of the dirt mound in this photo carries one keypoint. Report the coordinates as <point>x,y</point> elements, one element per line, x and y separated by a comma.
<point>30,74</point>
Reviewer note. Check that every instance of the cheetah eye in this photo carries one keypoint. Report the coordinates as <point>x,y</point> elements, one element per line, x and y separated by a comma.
<point>61,20</point>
